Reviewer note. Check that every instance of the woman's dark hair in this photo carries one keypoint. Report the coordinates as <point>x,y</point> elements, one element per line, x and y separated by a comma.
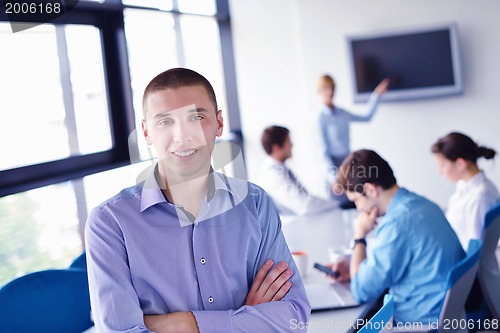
<point>364,166</point>
<point>273,135</point>
<point>457,145</point>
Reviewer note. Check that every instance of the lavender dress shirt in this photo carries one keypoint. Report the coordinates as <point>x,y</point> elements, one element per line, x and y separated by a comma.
<point>147,256</point>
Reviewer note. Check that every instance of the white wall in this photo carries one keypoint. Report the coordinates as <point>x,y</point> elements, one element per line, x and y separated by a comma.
<point>282,46</point>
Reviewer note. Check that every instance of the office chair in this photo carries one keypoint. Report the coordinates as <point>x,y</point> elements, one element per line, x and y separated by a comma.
<point>55,301</point>
<point>80,262</point>
<point>489,273</point>
<point>382,320</point>
<point>459,283</point>
<point>460,280</point>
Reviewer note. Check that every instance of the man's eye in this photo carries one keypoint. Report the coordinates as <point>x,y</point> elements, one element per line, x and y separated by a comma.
<point>197,117</point>
<point>164,122</point>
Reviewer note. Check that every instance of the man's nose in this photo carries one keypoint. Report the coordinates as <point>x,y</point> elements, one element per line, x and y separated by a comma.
<point>183,133</point>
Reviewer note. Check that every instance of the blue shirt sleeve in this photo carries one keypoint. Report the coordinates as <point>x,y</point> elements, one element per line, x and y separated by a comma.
<point>372,108</point>
<point>110,284</point>
<point>386,263</point>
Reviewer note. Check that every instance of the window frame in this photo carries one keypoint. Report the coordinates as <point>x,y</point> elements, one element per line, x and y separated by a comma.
<point>108,17</point>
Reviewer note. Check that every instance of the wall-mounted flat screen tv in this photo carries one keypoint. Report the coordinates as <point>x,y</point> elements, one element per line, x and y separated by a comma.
<point>421,62</point>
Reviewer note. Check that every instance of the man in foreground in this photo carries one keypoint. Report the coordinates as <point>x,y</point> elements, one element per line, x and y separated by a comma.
<point>189,250</point>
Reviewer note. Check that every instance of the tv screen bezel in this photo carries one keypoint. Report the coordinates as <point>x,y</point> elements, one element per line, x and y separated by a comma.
<point>414,93</point>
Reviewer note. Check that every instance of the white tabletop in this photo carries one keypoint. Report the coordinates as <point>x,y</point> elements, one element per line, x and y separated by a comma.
<point>315,234</point>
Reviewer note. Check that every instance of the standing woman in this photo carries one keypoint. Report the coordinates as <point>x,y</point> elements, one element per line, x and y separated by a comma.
<point>456,156</point>
<point>334,121</point>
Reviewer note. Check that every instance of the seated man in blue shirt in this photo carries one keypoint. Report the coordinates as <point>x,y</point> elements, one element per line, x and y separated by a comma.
<point>189,250</point>
<point>414,246</point>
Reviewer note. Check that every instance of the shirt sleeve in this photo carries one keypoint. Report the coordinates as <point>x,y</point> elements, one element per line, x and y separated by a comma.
<point>114,302</point>
<point>385,264</point>
<point>293,311</point>
<point>290,198</point>
<point>372,108</point>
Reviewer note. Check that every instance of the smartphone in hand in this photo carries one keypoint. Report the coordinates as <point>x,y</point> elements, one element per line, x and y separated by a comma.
<point>326,270</point>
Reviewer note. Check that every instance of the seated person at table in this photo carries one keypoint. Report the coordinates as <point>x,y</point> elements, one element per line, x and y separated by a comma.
<point>289,195</point>
<point>456,156</point>
<point>414,246</point>
<point>189,250</point>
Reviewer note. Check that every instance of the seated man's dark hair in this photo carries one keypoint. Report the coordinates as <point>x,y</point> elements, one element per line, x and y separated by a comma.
<point>273,135</point>
<point>361,167</point>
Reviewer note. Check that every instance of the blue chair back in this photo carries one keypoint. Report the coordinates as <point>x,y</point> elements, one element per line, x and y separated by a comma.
<point>459,284</point>
<point>489,272</point>
<point>382,320</point>
<point>80,262</point>
<point>46,301</point>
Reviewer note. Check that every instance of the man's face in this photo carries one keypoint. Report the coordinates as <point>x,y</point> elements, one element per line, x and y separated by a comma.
<point>182,126</point>
<point>287,148</point>
<point>448,169</point>
<point>364,203</point>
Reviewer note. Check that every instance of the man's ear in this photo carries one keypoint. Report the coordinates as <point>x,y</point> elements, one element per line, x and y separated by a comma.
<point>371,190</point>
<point>220,123</point>
<point>146,133</point>
<point>275,148</point>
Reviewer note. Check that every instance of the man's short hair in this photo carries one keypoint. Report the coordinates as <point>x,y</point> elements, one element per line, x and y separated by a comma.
<point>175,78</point>
<point>273,135</point>
<point>361,167</point>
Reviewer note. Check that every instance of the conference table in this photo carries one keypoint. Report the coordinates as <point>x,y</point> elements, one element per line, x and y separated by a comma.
<point>314,234</point>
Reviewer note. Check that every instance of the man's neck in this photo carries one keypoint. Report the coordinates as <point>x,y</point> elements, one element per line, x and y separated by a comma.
<point>386,198</point>
<point>278,157</point>
<point>186,192</point>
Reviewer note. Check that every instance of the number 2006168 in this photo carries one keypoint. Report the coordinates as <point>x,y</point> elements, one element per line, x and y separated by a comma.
<point>32,8</point>
<point>485,324</point>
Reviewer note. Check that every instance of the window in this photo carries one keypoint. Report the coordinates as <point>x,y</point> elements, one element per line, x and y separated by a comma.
<point>53,108</point>
<point>175,41</point>
<point>72,96</point>
<point>39,230</point>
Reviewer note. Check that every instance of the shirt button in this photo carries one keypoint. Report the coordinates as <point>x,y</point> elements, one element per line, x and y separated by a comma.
<point>203,261</point>
<point>210,300</point>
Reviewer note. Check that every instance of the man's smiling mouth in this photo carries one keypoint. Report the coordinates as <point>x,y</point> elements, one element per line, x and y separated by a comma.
<point>184,153</point>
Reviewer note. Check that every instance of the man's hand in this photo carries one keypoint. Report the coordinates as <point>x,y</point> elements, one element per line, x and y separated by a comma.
<point>341,267</point>
<point>175,322</point>
<point>269,286</point>
<point>364,223</point>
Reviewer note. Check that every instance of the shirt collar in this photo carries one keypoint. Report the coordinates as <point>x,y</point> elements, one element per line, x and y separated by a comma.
<point>327,110</point>
<point>398,196</point>
<point>273,163</point>
<point>471,183</point>
<point>152,194</point>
